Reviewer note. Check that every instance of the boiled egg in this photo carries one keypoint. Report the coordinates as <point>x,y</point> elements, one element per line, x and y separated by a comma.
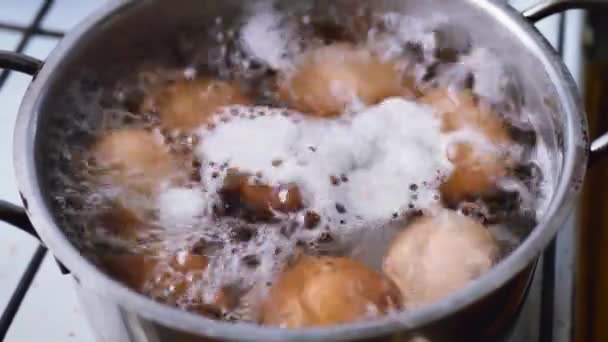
<point>321,291</point>
<point>326,81</point>
<point>435,256</point>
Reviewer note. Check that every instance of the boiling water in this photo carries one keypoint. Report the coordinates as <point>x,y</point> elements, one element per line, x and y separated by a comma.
<point>361,176</point>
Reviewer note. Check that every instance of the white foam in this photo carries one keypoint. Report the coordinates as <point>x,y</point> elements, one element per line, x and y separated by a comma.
<point>490,77</point>
<point>180,207</point>
<point>402,29</point>
<point>265,39</point>
<point>252,145</point>
<point>410,150</point>
<point>382,151</point>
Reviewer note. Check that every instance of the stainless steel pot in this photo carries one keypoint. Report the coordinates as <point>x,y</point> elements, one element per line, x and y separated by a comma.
<point>123,33</point>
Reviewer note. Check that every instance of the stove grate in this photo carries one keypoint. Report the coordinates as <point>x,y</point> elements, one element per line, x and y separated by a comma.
<point>28,32</point>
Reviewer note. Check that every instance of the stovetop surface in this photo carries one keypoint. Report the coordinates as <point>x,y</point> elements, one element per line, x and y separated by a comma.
<point>50,311</point>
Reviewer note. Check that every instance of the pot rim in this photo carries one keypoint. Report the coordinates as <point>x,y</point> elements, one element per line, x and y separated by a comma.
<point>87,274</point>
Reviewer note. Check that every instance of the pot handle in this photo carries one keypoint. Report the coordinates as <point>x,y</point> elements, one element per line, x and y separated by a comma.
<point>19,62</point>
<point>599,147</point>
<point>9,212</point>
<point>17,217</point>
<point>550,7</point>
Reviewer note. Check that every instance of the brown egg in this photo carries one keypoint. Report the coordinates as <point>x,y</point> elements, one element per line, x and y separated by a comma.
<point>132,270</point>
<point>188,104</point>
<point>169,280</point>
<point>437,255</point>
<point>475,173</point>
<point>258,201</point>
<point>142,271</point>
<point>477,165</point>
<point>122,222</point>
<point>225,299</point>
<point>133,158</point>
<point>263,197</point>
<point>320,291</point>
<point>326,81</point>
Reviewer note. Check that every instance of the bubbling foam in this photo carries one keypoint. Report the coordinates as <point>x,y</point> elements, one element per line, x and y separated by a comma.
<point>383,161</point>
<point>265,38</point>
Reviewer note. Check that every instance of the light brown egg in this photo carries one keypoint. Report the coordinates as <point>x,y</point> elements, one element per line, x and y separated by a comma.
<point>258,201</point>
<point>133,158</point>
<point>188,104</point>
<point>478,165</point>
<point>320,291</point>
<point>326,81</point>
<point>437,255</point>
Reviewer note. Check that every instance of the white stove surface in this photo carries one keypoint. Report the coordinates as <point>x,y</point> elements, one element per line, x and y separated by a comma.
<point>50,311</point>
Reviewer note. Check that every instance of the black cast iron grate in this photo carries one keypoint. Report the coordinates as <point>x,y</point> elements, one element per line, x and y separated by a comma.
<point>34,29</point>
